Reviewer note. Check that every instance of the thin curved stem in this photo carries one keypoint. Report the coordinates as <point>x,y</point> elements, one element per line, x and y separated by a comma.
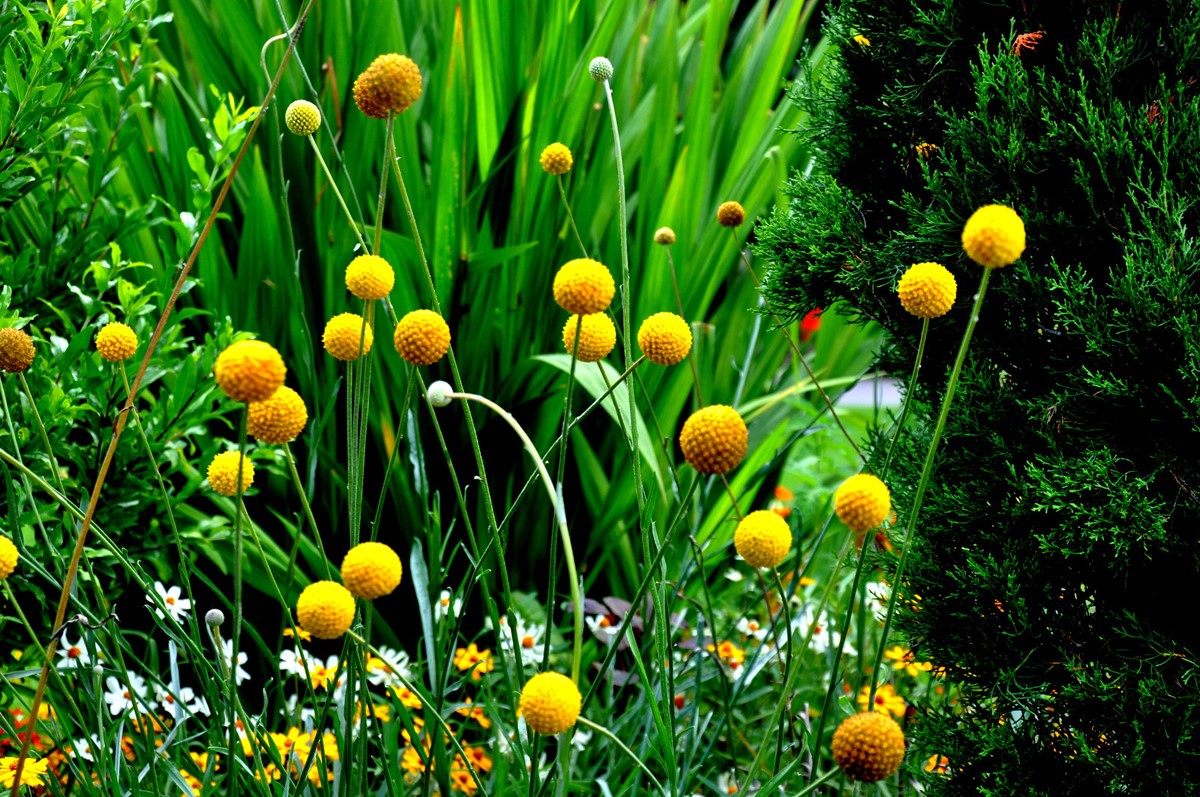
<point>562,192</point>
<point>692,351</point>
<point>796,350</point>
<point>912,384</point>
<point>312,522</point>
<point>612,737</point>
<point>560,516</point>
<point>41,427</point>
<point>341,200</point>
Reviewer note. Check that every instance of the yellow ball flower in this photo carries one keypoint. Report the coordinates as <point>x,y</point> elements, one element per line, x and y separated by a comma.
<point>422,337</point>
<point>391,83</point>
<point>116,342</point>
<point>868,747</point>
<point>16,350</point>
<point>370,277</point>
<point>325,609</point>
<point>862,502</point>
<point>8,557</point>
<point>302,118</point>
<point>665,338</point>
<point>762,538</point>
<point>994,236</point>
<point>223,473</point>
<point>583,286</point>
<point>279,419</point>
<point>342,336</point>
<point>371,570</point>
<point>664,236</point>
<point>250,370</point>
<point>556,159</point>
<point>730,214</point>
<point>927,290</point>
<point>550,703</point>
<point>597,337</point>
<point>714,439</point>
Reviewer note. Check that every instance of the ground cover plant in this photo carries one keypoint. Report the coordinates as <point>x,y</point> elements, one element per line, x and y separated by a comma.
<point>391,407</point>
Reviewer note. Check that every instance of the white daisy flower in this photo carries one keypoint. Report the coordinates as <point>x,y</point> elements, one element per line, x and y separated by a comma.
<point>170,702</point>
<point>120,698</point>
<point>446,605</point>
<point>177,606</point>
<point>602,626</point>
<point>291,662</point>
<point>751,628</point>
<point>72,654</point>
<point>86,748</point>
<point>384,669</point>
<point>242,658</point>
<point>529,638</point>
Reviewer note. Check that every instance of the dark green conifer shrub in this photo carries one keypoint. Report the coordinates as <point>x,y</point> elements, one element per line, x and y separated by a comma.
<point>1056,554</point>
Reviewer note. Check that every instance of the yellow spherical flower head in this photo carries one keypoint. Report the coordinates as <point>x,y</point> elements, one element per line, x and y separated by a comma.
<point>371,570</point>
<point>927,290</point>
<point>762,538</point>
<point>730,214</point>
<point>342,336</point>
<point>223,473</point>
<point>665,338</point>
<point>556,159</point>
<point>250,370</point>
<point>583,286</point>
<point>994,236</point>
<point>868,747</point>
<point>391,83</point>
<point>862,502</point>
<point>116,342</point>
<point>325,609</point>
<point>370,277</point>
<point>664,236</point>
<point>597,337</point>
<point>714,439</point>
<point>8,557</point>
<point>16,350</point>
<point>302,118</point>
<point>279,419</point>
<point>550,703</point>
<point>422,337</point>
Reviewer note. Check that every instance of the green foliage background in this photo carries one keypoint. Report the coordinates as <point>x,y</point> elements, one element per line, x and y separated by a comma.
<point>1056,549</point>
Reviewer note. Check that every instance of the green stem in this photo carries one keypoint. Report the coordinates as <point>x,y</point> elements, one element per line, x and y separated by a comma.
<point>563,193</point>
<point>626,299</point>
<point>923,481</point>
<point>612,737</point>
<point>912,384</point>
<point>692,351</point>
<point>312,522</point>
<point>237,576</point>
<point>821,781</point>
<point>41,427</point>
<point>560,516</point>
<point>341,201</point>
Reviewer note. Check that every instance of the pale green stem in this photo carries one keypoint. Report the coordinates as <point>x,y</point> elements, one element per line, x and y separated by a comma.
<point>560,516</point>
<point>341,201</point>
<point>923,481</point>
<point>574,227</point>
<point>612,737</point>
<point>821,781</point>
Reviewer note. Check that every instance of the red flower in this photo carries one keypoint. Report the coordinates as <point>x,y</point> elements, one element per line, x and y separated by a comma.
<point>810,324</point>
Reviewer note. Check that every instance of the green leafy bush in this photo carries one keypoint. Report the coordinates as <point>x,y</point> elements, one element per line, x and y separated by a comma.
<point>1056,549</point>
